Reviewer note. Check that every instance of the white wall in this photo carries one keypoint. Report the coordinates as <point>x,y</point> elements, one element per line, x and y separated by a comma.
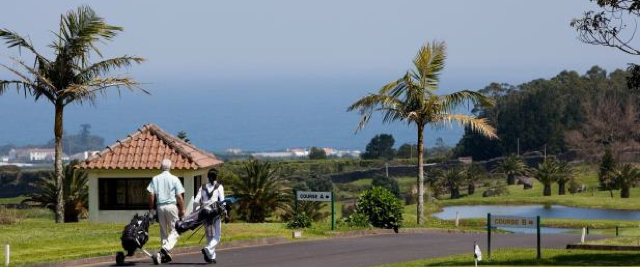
<point>97,215</point>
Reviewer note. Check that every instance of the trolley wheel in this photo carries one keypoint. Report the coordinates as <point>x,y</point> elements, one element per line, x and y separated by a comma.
<point>156,259</point>
<point>120,258</point>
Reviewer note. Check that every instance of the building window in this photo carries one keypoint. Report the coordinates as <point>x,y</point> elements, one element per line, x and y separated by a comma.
<point>197,182</point>
<point>124,193</point>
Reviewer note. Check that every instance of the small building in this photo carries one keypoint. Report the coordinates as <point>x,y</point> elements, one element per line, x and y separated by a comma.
<point>33,154</point>
<point>119,175</point>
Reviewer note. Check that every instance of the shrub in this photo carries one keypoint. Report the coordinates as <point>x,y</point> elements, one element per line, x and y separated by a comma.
<point>388,183</point>
<point>382,207</point>
<point>300,220</point>
<point>357,220</point>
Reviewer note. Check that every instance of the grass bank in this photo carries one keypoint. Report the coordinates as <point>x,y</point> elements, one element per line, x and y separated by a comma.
<point>527,257</point>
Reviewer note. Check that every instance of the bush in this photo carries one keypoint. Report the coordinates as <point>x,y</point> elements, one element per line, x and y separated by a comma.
<point>382,207</point>
<point>300,220</point>
<point>388,183</point>
<point>357,220</point>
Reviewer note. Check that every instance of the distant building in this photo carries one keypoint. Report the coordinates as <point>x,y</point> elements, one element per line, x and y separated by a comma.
<point>4,158</point>
<point>465,160</point>
<point>83,155</point>
<point>34,154</point>
<point>233,151</point>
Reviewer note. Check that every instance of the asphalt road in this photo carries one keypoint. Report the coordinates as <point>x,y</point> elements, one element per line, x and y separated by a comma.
<point>364,251</point>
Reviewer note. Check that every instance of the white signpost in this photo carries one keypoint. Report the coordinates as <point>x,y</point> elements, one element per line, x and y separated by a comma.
<point>514,222</point>
<point>317,196</point>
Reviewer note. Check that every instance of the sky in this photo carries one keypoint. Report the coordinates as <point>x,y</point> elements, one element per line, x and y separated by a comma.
<point>230,64</point>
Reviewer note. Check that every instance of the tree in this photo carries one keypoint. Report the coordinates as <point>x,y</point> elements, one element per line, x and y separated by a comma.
<point>380,147</point>
<point>546,173</point>
<point>69,77</point>
<point>511,165</point>
<point>83,141</point>
<point>387,183</point>
<point>407,151</point>
<point>183,136</point>
<point>474,172</point>
<point>626,176</point>
<point>608,28</point>
<point>76,192</point>
<point>566,174</point>
<point>607,166</point>
<point>260,190</point>
<point>413,99</point>
<point>383,208</point>
<point>453,178</point>
<point>317,153</point>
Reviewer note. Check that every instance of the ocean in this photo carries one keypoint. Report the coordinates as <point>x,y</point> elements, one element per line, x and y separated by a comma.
<point>248,115</point>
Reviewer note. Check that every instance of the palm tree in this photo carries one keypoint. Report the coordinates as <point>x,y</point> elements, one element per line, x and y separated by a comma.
<point>412,99</point>
<point>76,192</point>
<point>512,165</point>
<point>260,191</point>
<point>69,76</point>
<point>546,173</point>
<point>625,177</point>
<point>453,178</point>
<point>565,174</point>
<point>474,173</point>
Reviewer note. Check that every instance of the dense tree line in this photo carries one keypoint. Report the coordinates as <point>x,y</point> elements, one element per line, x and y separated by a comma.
<point>543,112</point>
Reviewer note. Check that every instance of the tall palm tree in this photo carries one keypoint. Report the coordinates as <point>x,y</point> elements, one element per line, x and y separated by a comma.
<point>260,190</point>
<point>565,174</point>
<point>625,177</point>
<point>412,99</point>
<point>69,76</point>
<point>546,173</point>
<point>512,165</point>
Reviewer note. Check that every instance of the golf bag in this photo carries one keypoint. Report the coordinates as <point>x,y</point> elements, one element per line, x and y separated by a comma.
<point>135,234</point>
<point>208,213</point>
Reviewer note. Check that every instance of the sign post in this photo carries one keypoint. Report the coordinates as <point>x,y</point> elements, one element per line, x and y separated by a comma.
<point>513,222</point>
<point>538,235</point>
<point>488,235</point>
<point>320,197</point>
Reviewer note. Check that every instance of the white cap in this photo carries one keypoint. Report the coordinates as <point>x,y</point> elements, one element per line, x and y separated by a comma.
<point>166,164</point>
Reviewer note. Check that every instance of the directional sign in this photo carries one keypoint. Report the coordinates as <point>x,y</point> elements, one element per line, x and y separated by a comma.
<point>313,196</point>
<point>514,221</point>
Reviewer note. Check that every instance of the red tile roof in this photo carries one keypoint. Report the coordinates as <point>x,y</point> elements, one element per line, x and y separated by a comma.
<point>146,148</point>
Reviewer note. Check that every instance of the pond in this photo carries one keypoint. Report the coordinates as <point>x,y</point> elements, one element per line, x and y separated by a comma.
<point>552,211</point>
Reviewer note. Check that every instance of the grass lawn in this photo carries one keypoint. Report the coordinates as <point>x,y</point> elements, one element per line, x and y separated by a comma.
<point>85,239</point>
<point>12,200</point>
<point>527,257</point>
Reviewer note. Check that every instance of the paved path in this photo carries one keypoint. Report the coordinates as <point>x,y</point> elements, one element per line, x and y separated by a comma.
<point>365,251</point>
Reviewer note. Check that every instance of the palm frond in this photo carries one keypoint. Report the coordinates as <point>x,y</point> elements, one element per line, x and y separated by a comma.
<point>429,62</point>
<point>451,101</point>
<point>105,66</point>
<point>86,92</point>
<point>478,125</point>
<point>13,39</point>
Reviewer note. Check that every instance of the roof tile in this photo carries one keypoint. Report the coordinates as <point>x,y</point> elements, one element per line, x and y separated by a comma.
<point>145,149</point>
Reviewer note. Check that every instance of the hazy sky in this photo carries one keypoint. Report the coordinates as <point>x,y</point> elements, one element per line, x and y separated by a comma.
<point>317,49</point>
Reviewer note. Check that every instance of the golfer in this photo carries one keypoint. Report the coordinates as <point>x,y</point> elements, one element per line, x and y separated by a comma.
<point>165,192</point>
<point>211,192</point>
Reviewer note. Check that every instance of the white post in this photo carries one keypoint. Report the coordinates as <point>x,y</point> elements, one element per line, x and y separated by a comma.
<point>584,232</point>
<point>457,219</point>
<point>6,255</point>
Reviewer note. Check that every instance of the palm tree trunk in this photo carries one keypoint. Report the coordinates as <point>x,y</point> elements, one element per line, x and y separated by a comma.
<point>57,131</point>
<point>471,189</point>
<point>547,190</point>
<point>624,191</point>
<point>455,192</point>
<point>420,174</point>
<point>511,179</point>
<point>561,188</point>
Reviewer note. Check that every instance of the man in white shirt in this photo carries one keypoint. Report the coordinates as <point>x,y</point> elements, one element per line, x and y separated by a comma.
<point>211,192</point>
<point>165,192</point>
